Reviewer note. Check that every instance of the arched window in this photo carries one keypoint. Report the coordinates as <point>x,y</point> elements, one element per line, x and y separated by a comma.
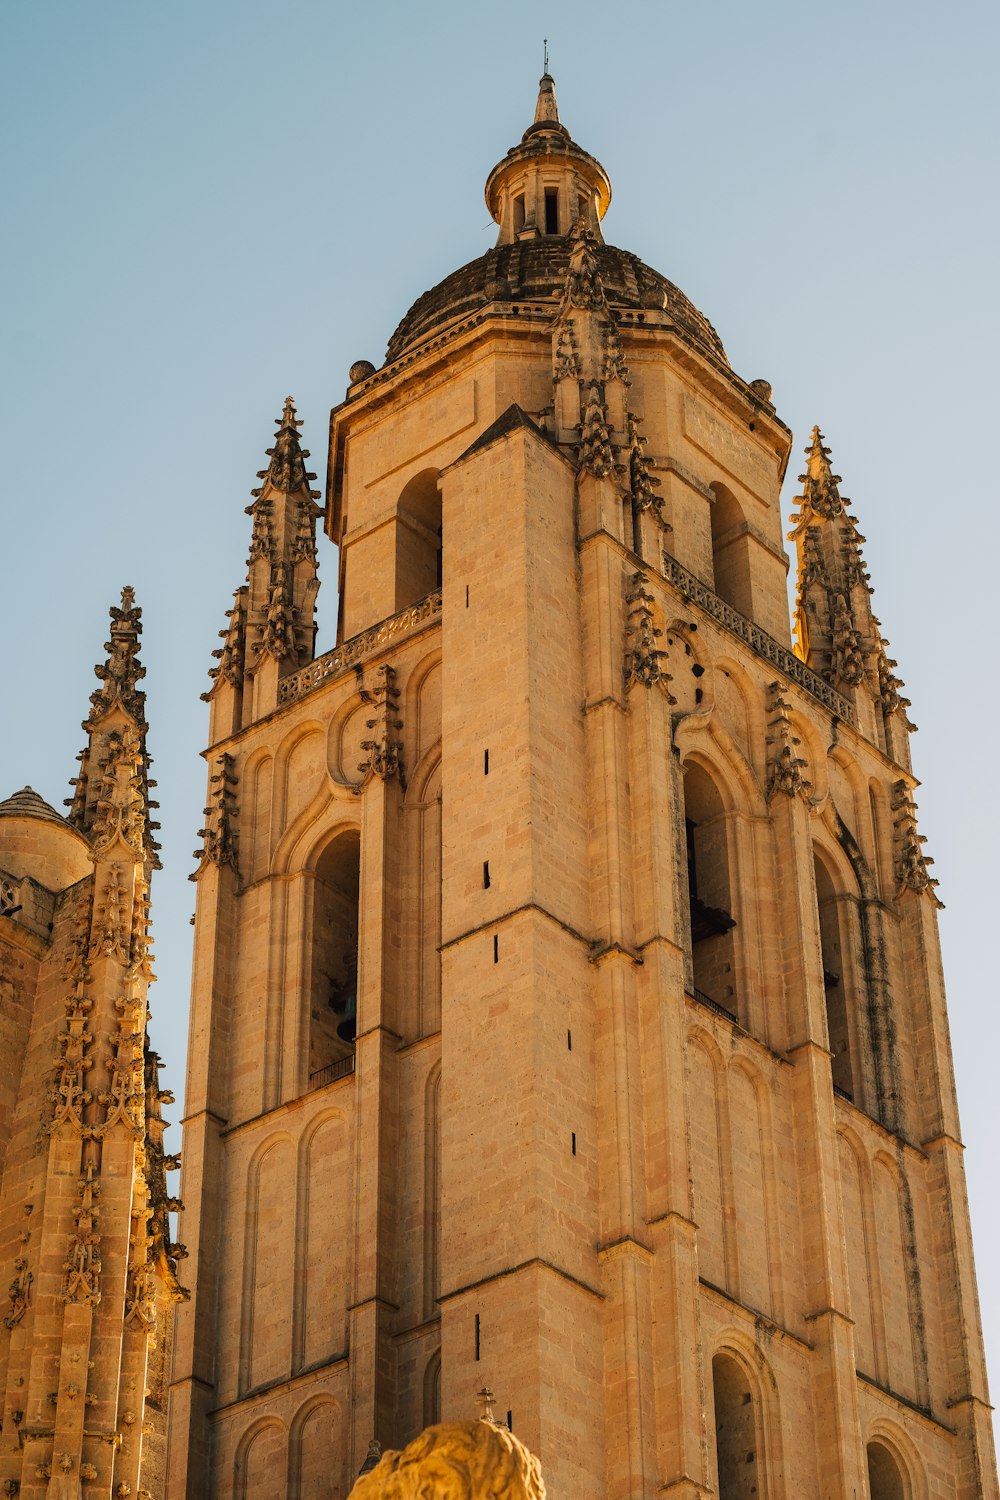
<point>735,1431</point>
<point>334,989</point>
<point>838,1018</point>
<point>418,539</point>
<point>885,1482</point>
<point>709,899</point>
<point>731,551</point>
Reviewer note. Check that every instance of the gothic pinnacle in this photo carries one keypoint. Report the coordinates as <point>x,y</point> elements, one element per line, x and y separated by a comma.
<point>287,470</point>
<point>119,676</point>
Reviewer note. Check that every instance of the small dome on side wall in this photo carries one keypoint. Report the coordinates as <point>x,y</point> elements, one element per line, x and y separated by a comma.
<point>37,841</point>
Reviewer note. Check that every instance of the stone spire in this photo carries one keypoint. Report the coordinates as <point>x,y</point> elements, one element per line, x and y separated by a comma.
<point>116,729</point>
<point>273,619</point>
<point>546,110</point>
<point>837,635</point>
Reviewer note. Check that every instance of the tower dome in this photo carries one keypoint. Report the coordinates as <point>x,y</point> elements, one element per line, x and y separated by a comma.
<point>543,188</point>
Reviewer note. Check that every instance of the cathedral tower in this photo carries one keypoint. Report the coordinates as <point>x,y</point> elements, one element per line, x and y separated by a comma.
<point>567,1013</point>
<point>84,1208</point>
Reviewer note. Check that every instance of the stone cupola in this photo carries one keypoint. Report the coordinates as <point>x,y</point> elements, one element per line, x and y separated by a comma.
<point>546,182</point>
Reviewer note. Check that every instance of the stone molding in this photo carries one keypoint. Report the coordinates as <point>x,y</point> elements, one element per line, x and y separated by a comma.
<point>332,663</point>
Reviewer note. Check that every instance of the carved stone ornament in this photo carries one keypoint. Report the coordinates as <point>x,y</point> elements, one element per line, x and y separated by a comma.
<point>220,844</point>
<point>69,1093</point>
<point>456,1461</point>
<point>910,860</point>
<point>277,638</point>
<point>642,484</point>
<point>82,1265</point>
<point>784,765</point>
<point>384,751</point>
<point>848,663</point>
<point>614,366</point>
<point>584,287</point>
<point>566,361</point>
<point>643,658</point>
<point>122,671</point>
<point>595,454</point>
<point>820,493</point>
<point>19,1292</point>
<point>121,808</point>
<point>231,654</point>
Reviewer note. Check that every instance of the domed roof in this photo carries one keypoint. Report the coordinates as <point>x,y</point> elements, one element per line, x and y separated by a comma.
<point>545,189</point>
<point>28,804</point>
<point>533,271</point>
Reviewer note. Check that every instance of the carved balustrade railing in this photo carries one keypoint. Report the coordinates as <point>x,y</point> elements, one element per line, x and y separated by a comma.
<point>332,663</point>
<point>758,640</point>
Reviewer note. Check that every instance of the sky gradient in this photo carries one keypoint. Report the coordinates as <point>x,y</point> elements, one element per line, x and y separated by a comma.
<point>210,206</point>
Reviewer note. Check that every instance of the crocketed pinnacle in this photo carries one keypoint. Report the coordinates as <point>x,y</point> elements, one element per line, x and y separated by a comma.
<point>546,110</point>
<point>108,739</point>
<point>287,470</point>
<point>121,673</point>
<point>821,493</point>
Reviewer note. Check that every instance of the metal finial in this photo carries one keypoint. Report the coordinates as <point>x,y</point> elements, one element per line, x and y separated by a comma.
<point>545,50</point>
<point>484,1400</point>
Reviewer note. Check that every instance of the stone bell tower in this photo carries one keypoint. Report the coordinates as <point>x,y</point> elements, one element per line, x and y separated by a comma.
<point>84,1207</point>
<point>567,1014</point>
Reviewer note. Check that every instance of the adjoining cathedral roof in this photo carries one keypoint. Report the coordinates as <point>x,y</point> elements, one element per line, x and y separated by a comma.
<point>28,804</point>
<point>535,271</point>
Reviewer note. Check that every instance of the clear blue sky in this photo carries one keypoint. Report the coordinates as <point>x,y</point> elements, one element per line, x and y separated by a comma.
<point>210,205</point>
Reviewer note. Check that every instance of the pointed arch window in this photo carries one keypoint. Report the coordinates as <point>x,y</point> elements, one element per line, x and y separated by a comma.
<point>333,996</point>
<point>842,1020</point>
<point>713,951</point>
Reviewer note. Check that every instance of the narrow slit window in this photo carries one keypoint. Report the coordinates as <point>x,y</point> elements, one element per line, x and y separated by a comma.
<point>569,1041</point>
<point>486,874</point>
<point>496,949</point>
<point>486,762</point>
<point>551,210</point>
<point>573,1140</point>
<point>477,1336</point>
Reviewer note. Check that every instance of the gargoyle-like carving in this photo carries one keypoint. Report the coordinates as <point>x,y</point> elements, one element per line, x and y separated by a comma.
<point>596,454</point>
<point>220,840</point>
<point>910,860</point>
<point>848,660</point>
<point>784,764</point>
<point>566,362</point>
<point>277,636</point>
<point>19,1292</point>
<point>231,654</point>
<point>456,1461</point>
<point>384,750</point>
<point>614,366</point>
<point>261,541</point>
<point>643,657</point>
<point>642,484</point>
<point>584,287</point>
